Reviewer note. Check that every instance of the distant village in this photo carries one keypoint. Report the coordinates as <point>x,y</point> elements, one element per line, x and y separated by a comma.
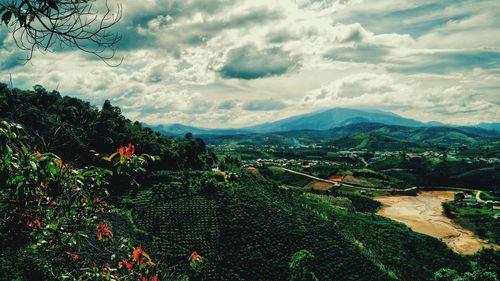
<point>363,155</point>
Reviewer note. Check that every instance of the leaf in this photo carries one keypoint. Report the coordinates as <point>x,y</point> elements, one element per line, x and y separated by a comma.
<point>33,166</point>
<point>52,169</point>
<point>6,17</point>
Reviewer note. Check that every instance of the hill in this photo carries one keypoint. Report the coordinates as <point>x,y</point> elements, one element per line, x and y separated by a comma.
<point>331,118</point>
<point>340,122</point>
<point>321,120</point>
<point>75,130</point>
<point>377,135</point>
<point>248,221</point>
<point>490,126</point>
<point>181,130</point>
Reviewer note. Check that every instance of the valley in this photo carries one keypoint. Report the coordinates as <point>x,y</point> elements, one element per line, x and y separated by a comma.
<point>340,202</point>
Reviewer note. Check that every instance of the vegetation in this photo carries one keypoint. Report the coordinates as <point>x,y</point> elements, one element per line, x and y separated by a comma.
<point>485,269</point>
<point>108,210</point>
<point>75,130</point>
<point>479,219</point>
<point>52,216</point>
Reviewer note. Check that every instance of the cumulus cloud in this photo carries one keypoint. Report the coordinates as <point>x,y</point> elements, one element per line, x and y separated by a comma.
<point>248,62</point>
<point>230,63</point>
<point>264,105</point>
<point>398,94</point>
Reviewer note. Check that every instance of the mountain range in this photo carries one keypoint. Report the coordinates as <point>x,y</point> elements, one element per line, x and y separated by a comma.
<point>322,120</point>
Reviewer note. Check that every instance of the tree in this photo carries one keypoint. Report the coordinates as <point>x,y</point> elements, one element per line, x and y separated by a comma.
<point>48,24</point>
<point>299,265</point>
<point>446,274</point>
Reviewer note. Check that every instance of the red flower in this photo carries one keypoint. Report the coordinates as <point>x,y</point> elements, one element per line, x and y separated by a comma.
<point>154,278</point>
<point>136,253</point>
<point>195,257</point>
<point>128,264</point>
<point>143,279</point>
<point>128,150</point>
<point>39,156</point>
<point>73,255</point>
<point>103,231</point>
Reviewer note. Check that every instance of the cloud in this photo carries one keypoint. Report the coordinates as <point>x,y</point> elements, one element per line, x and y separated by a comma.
<point>449,61</point>
<point>226,105</point>
<point>264,105</point>
<point>401,95</point>
<point>239,62</point>
<point>362,54</point>
<point>248,62</point>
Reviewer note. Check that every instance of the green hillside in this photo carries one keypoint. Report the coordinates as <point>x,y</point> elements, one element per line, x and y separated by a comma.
<point>249,229</point>
<point>366,135</point>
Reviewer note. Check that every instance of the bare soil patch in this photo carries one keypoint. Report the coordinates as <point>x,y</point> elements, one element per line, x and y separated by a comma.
<point>424,214</point>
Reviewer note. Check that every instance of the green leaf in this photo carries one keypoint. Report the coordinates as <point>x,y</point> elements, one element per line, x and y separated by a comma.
<point>52,169</point>
<point>6,17</point>
<point>33,166</point>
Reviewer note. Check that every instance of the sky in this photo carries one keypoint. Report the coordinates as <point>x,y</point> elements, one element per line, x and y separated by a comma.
<point>233,63</point>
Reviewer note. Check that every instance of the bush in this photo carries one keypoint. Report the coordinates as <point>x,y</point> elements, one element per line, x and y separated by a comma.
<point>52,215</point>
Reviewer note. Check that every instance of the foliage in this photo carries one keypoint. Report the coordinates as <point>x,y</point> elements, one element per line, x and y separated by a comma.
<point>53,210</point>
<point>446,274</point>
<point>478,218</point>
<point>362,203</point>
<point>299,266</point>
<point>393,246</point>
<point>280,176</point>
<point>75,130</point>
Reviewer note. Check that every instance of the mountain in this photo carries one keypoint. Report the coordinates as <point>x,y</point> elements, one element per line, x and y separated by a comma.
<point>490,126</point>
<point>335,117</point>
<point>321,120</point>
<point>181,130</point>
<point>367,135</point>
<point>340,119</point>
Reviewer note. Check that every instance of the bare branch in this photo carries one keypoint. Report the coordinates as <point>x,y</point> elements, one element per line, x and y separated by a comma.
<point>45,25</point>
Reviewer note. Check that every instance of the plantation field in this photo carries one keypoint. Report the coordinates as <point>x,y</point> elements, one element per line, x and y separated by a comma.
<point>251,220</point>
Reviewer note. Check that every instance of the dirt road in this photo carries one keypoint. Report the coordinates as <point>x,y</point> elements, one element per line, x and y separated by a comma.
<point>424,214</point>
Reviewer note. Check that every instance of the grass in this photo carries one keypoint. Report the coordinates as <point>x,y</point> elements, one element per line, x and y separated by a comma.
<point>479,220</point>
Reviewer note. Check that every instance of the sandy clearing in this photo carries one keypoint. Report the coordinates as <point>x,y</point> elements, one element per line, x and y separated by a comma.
<point>424,214</point>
